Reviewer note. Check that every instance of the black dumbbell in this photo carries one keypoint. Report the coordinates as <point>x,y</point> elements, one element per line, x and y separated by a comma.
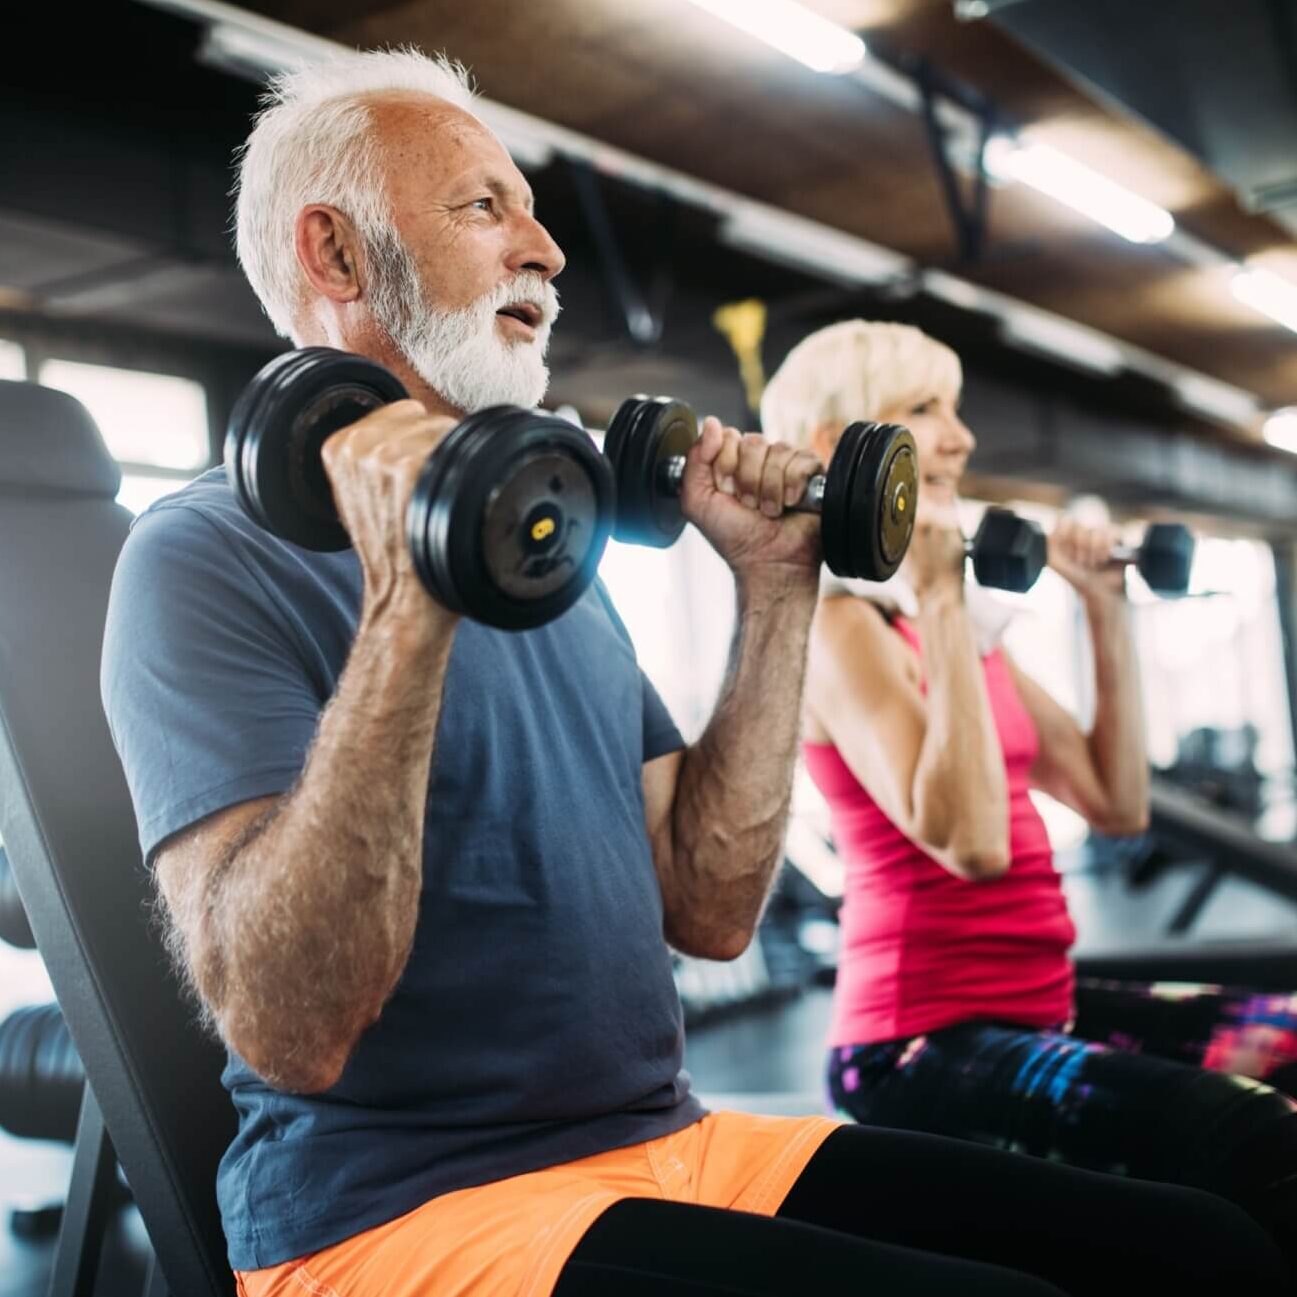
<point>865,500</point>
<point>1009,553</point>
<point>509,517</point>
<point>41,1079</point>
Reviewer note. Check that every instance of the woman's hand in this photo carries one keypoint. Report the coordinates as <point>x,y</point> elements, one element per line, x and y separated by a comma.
<point>1083,557</point>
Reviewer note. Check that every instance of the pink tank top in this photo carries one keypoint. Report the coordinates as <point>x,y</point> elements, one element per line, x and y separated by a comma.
<point>922,949</point>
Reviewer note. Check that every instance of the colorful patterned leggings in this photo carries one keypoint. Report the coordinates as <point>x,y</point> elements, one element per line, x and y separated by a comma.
<point>1150,1082</point>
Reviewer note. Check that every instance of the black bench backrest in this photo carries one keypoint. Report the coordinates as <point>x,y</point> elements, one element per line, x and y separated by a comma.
<point>68,828</point>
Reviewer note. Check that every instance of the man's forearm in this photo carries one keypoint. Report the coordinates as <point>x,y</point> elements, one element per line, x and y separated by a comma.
<point>731,803</point>
<point>1116,740</point>
<point>311,920</point>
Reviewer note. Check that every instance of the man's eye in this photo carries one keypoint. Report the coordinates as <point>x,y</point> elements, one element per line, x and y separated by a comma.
<point>922,408</point>
<point>484,204</point>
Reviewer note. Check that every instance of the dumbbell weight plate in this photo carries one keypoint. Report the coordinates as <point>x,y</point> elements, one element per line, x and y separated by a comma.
<point>871,490</point>
<point>645,432</point>
<point>1008,551</point>
<point>41,1078</point>
<point>1165,557</point>
<point>282,418</point>
<point>510,517</point>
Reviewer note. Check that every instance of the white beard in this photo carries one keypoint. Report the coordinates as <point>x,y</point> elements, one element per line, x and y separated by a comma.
<point>459,353</point>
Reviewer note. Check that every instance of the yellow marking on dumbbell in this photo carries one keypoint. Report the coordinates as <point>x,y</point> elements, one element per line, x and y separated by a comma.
<point>542,529</point>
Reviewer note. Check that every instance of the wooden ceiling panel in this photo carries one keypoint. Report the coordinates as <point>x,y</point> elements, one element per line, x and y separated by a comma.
<point>592,83</point>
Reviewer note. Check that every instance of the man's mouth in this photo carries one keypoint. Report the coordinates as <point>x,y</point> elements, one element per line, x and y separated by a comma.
<point>527,313</point>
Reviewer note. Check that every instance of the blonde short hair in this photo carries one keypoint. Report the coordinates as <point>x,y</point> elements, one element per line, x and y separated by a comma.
<point>858,369</point>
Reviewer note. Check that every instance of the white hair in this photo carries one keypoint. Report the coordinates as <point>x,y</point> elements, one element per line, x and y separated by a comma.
<point>858,369</point>
<point>314,142</point>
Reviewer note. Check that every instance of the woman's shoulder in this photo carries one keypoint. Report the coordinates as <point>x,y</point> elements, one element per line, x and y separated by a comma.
<point>859,631</point>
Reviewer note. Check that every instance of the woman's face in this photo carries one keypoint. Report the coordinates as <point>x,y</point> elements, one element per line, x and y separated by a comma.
<point>944,444</point>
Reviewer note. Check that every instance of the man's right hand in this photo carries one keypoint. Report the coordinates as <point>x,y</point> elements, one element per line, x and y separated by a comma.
<point>373,466</point>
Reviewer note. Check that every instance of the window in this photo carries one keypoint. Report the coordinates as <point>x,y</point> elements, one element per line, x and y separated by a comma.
<point>13,363</point>
<point>1215,662</point>
<point>139,490</point>
<point>146,419</point>
<point>678,605</point>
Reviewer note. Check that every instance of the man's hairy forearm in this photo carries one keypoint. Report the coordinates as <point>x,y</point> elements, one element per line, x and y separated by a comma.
<point>1116,739</point>
<point>731,803</point>
<point>960,796</point>
<point>310,920</point>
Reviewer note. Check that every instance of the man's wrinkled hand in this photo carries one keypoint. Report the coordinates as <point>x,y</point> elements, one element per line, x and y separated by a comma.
<point>738,489</point>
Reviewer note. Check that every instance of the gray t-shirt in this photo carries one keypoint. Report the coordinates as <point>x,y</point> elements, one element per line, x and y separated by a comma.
<point>537,1019</point>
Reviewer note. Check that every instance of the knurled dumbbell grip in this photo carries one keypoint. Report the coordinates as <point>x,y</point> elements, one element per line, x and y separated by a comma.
<point>672,471</point>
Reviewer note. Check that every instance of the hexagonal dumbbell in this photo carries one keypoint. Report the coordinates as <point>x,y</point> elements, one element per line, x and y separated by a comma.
<point>1009,553</point>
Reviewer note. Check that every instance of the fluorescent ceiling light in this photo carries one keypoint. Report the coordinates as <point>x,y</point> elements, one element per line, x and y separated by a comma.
<point>1060,339</point>
<point>1216,399</point>
<point>958,292</point>
<point>1281,429</point>
<point>777,235</point>
<point>1080,188</point>
<point>794,30</point>
<point>236,49</point>
<point>1268,293</point>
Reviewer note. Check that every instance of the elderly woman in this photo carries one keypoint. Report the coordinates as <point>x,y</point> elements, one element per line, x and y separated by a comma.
<point>955,1008</point>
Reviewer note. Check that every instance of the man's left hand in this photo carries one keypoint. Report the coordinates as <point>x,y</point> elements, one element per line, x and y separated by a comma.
<point>737,490</point>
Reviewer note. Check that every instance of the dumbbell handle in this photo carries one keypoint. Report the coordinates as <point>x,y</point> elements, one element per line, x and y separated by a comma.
<point>1010,551</point>
<point>671,475</point>
<point>1120,554</point>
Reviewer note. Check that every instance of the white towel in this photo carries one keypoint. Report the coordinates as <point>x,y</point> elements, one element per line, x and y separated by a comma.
<point>990,616</point>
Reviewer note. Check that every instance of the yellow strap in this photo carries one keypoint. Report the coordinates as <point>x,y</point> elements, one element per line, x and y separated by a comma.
<point>743,324</point>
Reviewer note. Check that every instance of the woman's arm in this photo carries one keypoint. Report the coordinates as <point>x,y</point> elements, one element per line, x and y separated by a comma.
<point>933,764</point>
<point>1102,775</point>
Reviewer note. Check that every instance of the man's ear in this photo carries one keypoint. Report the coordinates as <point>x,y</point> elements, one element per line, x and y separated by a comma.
<point>327,250</point>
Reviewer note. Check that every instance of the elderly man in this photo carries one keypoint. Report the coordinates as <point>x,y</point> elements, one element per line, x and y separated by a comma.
<point>422,874</point>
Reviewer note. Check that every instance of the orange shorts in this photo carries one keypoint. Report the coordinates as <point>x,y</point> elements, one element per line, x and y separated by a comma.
<point>512,1238</point>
